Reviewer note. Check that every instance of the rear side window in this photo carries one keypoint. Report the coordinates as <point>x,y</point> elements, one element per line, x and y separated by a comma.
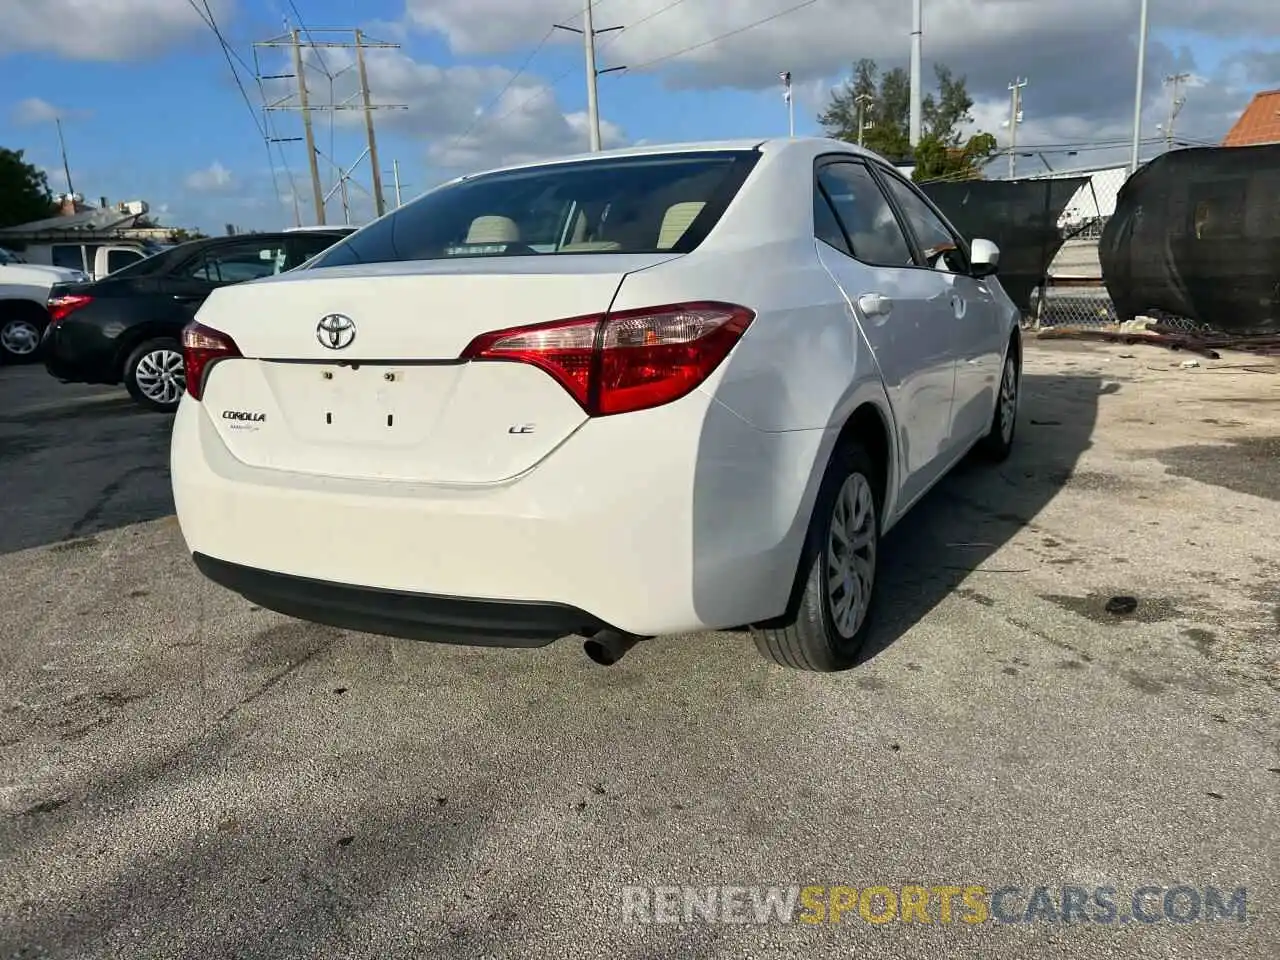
<point>666,203</point>
<point>70,256</point>
<point>239,262</point>
<point>304,247</point>
<point>864,212</point>
<point>119,259</point>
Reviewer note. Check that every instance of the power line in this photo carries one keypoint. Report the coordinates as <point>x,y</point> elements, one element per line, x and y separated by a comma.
<point>549,88</point>
<point>324,68</point>
<point>724,36</point>
<point>480,115</point>
<point>263,126</point>
<point>207,17</point>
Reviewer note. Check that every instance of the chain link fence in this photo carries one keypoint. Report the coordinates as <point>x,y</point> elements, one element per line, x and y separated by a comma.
<point>1073,293</point>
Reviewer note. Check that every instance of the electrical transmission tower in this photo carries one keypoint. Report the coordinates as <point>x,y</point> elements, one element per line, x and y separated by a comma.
<point>301,102</point>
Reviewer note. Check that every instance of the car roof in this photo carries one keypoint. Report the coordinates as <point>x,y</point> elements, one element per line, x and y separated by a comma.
<point>805,145</point>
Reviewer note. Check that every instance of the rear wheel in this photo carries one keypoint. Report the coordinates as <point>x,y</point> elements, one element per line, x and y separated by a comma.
<point>998,443</point>
<point>153,374</point>
<point>21,327</point>
<point>831,611</point>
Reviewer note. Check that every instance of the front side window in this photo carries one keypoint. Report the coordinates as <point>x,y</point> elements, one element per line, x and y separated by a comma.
<point>940,246</point>
<point>869,222</point>
<point>646,204</point>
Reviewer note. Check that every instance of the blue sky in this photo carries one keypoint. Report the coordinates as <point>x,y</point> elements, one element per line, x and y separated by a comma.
<point>161,119</point>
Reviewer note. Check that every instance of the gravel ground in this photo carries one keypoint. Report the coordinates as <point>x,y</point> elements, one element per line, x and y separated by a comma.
<point>183,775</point>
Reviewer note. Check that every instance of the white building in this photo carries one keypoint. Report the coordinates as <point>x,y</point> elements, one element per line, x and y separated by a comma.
<point>1094,200</point>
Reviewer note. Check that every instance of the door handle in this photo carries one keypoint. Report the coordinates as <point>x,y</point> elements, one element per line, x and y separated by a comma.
<point>959,306</point>
<point>875,305</point>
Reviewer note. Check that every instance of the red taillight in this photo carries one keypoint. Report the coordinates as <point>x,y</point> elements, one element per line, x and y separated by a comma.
<point>59,307</point>
<point>202,347</point>
<point>630,360</point>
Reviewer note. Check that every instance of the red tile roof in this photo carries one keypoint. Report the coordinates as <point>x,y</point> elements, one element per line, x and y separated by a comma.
<point>1260,122</point>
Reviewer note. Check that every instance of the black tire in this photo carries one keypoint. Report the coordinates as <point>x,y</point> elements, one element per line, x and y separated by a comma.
<point>998,443</point>
<point>143,362</point>
<point>22,325</point>
<point>809,635</point>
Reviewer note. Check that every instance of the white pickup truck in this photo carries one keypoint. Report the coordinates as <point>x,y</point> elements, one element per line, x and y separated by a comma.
<point>24,294</point>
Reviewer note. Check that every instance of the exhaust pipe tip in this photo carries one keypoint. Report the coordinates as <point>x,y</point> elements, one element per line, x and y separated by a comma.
<point>607,648</point>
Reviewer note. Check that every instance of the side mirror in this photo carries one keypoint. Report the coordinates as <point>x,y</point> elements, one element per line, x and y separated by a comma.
<point>984,258</point>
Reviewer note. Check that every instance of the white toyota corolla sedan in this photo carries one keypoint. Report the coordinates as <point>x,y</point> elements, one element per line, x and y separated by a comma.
<point>633,393</point>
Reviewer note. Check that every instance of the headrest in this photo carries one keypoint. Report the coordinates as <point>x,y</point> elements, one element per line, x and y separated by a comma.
<point>493,230</point>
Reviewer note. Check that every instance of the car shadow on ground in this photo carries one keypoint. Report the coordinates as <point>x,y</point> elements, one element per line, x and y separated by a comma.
<point>957,529</point>
<point>78,470</point>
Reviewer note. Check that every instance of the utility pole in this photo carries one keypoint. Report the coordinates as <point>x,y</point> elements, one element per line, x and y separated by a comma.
<point>308,132</point>
<point>863,101</point>
<point>917,94</point>
<point>1176,103</point>
<point>303,104</point>
<point>380,204</point>
<point>593,99</point>
<point>589,34</point>
<point>66,166</point>
<point>1137,97</point>
<point>785,77</point>
<point>1015,118</point>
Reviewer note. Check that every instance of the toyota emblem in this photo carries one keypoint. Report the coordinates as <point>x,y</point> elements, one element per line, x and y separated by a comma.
<point>336,331</point>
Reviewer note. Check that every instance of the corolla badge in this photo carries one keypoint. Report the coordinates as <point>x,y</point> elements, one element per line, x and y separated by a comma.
<point>335,331</point>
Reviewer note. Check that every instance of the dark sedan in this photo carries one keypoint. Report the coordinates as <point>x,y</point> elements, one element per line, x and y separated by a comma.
<point>127,327</point>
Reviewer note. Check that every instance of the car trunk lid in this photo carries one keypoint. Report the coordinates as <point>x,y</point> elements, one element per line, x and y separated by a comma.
<point>379,392</point>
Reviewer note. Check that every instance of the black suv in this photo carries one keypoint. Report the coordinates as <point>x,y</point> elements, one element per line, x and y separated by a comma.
<point>127,327</point>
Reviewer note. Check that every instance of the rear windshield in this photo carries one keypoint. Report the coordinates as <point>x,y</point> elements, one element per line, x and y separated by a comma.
<point>651,204</point>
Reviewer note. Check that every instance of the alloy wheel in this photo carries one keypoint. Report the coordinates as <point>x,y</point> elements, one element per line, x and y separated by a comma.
<point>851,555</point>
<point>159,376</point>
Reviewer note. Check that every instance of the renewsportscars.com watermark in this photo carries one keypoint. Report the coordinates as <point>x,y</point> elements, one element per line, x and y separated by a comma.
<point>944,903</point>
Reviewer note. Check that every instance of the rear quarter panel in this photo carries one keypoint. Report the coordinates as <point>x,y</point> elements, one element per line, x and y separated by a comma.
<point>792,382</point>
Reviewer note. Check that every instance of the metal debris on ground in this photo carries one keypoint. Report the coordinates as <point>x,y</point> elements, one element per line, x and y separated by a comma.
<point>1205,343</point>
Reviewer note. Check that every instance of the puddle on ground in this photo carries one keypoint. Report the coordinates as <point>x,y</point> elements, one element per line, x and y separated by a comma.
<point>1094,607</point>
<point>1250,465</point>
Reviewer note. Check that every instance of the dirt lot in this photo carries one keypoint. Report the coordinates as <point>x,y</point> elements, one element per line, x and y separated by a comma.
<point>182,774</point>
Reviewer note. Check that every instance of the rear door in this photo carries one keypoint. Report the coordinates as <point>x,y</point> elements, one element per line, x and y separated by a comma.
<point>978,327</point>
<point>903,311</point>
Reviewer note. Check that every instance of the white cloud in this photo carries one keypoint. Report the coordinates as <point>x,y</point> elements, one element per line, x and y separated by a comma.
<point>34,110</point>
<point>214,178</point>
<point>469,116</point>
<point>1079,56</point>
<point>103,30</point>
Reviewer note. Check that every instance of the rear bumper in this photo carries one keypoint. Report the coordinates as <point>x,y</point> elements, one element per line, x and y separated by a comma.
<point>673,520</point>
<point>413,616</point>
<point>77,356</point>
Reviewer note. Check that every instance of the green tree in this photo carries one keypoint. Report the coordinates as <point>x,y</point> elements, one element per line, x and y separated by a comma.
<point>182,235</point>
<point>24,190</point>
<point>884,101</point>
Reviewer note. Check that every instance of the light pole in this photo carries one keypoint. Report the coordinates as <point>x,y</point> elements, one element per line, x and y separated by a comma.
<point>917,94</point>
<point>1137,97</point>
<point>785,76</point>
